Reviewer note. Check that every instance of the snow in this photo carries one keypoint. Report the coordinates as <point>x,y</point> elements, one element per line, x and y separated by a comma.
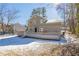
<point>14,42</point>
<point>70,39</point>
<point>5,36</point>
<point>53,21</point>
<point>31,45</point>
<point>27,46</point>
<point>33,48</point>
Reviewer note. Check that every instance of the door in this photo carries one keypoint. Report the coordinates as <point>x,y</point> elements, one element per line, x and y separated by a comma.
<point>35,29</point>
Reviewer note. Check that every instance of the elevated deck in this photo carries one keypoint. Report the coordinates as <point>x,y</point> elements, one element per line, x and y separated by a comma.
<point>43,36</point>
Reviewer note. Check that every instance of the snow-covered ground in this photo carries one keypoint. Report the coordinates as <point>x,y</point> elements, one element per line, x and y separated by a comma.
<point>33,48</point>
<point>13,45</point>
<point>25,45</point>
<point>7,36</point>
<point>71,38</point>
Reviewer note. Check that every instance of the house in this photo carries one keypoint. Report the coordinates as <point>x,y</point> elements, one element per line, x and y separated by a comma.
<point>50,28</point>
<point>19,29</point>
<point>35,25</point>
<point>0,28</point>
<point>6,29</point>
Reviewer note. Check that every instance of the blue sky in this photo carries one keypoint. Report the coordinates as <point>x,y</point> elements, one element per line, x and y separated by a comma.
<point>26,9</point>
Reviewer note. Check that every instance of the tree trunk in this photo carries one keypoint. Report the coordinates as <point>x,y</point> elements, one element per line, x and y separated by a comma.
<point>2,25</point>
<point>72,20</point>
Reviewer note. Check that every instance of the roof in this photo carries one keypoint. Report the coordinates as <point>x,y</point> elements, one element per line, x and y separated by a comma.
<point>53,21</point>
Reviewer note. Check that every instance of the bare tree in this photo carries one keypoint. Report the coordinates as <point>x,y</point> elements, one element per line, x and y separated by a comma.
<point>72,18</point>
<point>10,16</point>
<point>2,15</point>
<point>7,15</point>
<point>69,15</point>
<point>61,8</point>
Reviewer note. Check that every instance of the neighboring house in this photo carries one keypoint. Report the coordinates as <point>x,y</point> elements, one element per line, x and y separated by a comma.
<point>6,29</point>
<point>12,29</point>
<point>0,28</point>
<point>35,25</point>
<point>19,29</point>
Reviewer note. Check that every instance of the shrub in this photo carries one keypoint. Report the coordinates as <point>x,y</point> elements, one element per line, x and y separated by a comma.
<point>77,30</point>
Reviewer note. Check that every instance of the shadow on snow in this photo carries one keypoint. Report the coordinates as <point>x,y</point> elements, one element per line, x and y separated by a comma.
<point>20,41</point>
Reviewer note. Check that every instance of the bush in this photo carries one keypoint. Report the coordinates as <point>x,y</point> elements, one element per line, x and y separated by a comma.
<point>67,50</point>
<point>77,30</point>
